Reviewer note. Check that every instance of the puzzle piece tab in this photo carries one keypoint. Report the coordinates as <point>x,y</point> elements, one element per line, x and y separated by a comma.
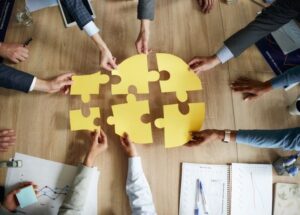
<point>134,72</point>
<point>177,127</point>
<point>86,85</point>
<point>127,118</point>
<point>80,122</point>
<point>181,79</point>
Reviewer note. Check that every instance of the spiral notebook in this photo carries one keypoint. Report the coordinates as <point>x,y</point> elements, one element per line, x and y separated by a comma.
<point>229,189</point>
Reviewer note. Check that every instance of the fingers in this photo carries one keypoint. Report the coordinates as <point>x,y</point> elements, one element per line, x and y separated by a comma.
<point>249,96</point>
<point>138,46</point>
<point>7,131</point>
<point>125,139</point>
<point>112,63</point>
<point>66,76</point>
<point>7,139</point>
<point>195,60</point>
<point>103,137</point>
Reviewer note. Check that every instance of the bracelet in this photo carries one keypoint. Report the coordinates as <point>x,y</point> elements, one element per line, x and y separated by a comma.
<point>227,136</point>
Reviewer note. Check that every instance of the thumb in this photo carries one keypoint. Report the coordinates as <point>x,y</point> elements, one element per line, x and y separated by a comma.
<point>249,97</point>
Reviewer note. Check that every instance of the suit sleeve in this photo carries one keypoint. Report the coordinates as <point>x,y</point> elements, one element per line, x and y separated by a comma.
<point>78,11</point>
<point>289,77</point>
<point>271,18</point>
<point>146,9</point>
<point>286,139</point>
<point>12,78</point>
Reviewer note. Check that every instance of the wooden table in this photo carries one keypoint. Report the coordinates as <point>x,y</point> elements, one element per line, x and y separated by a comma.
<point>42,123</point>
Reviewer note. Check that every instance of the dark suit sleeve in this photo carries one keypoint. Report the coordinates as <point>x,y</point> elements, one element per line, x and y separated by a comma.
<point>146,9</point>
<point>78,11</point>
<point>271,18</point>
<point>11,78</point>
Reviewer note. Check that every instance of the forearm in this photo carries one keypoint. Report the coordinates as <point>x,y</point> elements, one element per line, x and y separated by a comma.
<point>4,211</point>
<point>138,189</point>
<point>290,77</point>
<point>271,18</point>
<point>12,78</point>
<point>76,198</point>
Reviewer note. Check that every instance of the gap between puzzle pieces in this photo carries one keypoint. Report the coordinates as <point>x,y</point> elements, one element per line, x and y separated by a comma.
<point>87,85</point>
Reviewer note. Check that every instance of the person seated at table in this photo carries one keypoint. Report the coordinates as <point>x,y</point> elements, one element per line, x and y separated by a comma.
<point>85,21</point>
<point>252,89</point>
<point>75,199</point>
<point>273,17</point>
<point>286,139</point>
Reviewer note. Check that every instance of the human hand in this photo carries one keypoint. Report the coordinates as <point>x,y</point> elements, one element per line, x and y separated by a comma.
<point>14,52</point>
<point>251,89</point>
<point>201,64</point>
<point>61,83</point>
<point>206,5</point>
<point>142,42</point>
<point>10,202</point>
<point>205,136</point>
<point>128,146</point>
<point>98,145</point>
<point>7,139</point>
<point>107,61</point>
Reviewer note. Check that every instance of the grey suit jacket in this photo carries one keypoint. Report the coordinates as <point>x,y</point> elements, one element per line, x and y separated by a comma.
<point>271,18</point>
<point>79,12</point>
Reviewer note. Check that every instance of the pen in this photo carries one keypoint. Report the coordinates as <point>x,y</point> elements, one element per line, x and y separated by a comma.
<point>203,197</point>
<point>197,202</point>
<point>26,43</point>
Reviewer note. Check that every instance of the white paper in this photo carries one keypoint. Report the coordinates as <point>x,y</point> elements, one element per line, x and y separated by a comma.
<point>34,5</point>
<point>251,189</point>
<point>214,179</point>
<point>49,176</point>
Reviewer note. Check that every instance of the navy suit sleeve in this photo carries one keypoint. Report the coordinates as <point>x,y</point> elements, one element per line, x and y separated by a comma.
<point>271,18</point>
<point>146,9</point>
<point>78,11</point>
<point>11,78</point>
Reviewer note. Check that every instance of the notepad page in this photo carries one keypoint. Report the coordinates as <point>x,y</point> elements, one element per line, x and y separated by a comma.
<point>251,189</point>
<point>215,184</point>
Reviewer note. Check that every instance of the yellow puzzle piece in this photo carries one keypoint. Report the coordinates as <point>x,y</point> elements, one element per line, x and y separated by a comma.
<point>134,72</point>
<point>80,122</point>
<point>127,118</point>
<point>181,78</point>
<point>86,85</point>
<point>177,127</point>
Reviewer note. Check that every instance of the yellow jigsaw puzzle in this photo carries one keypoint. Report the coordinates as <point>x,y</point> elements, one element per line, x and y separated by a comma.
<point>80,122</point>
<point>127,118</point>
<point>86,85</point>
<point>134,72</point>
<point>181,79</point>
<point>177,127</point>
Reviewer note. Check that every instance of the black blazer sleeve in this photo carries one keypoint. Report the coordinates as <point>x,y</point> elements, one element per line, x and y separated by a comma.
<point>78,11</point>
<point>11,78</point>
<point>271,18</point>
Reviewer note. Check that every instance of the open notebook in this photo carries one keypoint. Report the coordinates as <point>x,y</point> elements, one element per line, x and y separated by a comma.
<point>229,189</point>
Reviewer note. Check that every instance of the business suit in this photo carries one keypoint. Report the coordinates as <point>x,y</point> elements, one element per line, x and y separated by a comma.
<point>82,16</point>
<point>271,18</point>
<point>12,78</point>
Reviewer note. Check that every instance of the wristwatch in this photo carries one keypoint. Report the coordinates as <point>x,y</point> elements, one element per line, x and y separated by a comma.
<point>227,136</point>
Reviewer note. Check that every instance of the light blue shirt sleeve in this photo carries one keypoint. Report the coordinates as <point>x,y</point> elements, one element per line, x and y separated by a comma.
<point>138,189</point>
<point>290,77</point>
<point>286,139</point>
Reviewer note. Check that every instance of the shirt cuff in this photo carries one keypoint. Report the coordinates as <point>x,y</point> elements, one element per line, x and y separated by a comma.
<point>224,54</point>
<point>90,28</point>
<point>32,84</point>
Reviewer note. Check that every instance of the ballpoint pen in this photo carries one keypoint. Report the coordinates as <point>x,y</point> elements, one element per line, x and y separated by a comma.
<point>204,202</point>
<point>197,202</point>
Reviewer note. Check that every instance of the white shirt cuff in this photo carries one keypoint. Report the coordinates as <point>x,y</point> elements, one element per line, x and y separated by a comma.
<point>224,54</point>
<point>90,28</point>
<point>32,84</point>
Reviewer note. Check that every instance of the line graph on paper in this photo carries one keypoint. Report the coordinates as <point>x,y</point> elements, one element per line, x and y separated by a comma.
<point>52,193</point>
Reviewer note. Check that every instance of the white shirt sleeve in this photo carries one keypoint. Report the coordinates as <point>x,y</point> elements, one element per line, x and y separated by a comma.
<point>32,84</point>
<point>91,28</point>
<point>138,189</point>
<point>224,54</point>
